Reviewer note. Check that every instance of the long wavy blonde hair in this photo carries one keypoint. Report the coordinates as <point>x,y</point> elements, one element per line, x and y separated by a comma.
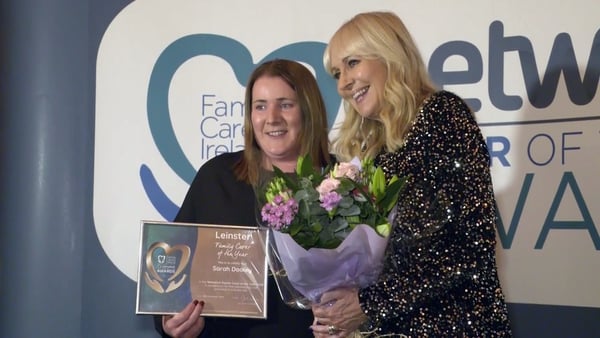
<point>381,36</point>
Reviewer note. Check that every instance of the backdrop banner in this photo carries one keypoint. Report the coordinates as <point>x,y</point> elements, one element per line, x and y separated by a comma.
<point>165,82</point>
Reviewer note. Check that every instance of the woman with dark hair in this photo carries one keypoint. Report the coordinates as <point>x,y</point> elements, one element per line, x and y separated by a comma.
<point>284,118</point>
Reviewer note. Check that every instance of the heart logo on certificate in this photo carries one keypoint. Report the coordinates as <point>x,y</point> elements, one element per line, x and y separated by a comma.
<point>168,264</point>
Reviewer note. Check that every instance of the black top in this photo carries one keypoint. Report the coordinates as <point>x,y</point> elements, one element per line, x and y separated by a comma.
<point>217,197</point>
<point>440,277</point>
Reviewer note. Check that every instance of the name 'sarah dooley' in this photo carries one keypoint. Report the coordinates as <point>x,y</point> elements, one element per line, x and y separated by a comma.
<point>244,269</point>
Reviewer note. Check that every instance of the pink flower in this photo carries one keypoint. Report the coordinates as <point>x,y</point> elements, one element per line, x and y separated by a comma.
<point>327,185</point>
<point>347,169</point>
<point>306,204</point>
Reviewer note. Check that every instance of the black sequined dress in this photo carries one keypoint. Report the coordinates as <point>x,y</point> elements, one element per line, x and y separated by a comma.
<point>440,277</point>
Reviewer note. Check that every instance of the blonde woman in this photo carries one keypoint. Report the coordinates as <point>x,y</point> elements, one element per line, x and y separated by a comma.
<point>440,277</point>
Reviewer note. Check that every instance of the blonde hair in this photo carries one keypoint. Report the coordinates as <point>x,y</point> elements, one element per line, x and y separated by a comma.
<point>381,36</point>
<point>313,138</point>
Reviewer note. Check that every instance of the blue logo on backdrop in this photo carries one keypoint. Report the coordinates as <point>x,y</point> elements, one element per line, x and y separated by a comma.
<point>238,56</point>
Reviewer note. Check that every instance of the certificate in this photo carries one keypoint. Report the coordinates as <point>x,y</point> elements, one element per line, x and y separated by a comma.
<point>225,266</point>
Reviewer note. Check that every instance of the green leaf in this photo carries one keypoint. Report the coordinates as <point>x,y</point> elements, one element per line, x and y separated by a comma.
<point>306,240</point>
<point>383,229</point>
<point>316,227</point>
<point>346,202</point>
<point>338,224</point>
<point>294,229</point>
<point>291,183</point>
<point>391,195</point>
<point>346,186</point>
<point>377,186</point>
<point>353,219</point>
<point>353,210</point>
<point>304,167</point>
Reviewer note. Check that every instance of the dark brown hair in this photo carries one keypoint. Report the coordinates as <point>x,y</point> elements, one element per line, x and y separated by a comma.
<point>314,139</point>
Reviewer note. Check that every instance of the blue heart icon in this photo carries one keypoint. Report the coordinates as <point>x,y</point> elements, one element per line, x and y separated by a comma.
<point>238,56</point>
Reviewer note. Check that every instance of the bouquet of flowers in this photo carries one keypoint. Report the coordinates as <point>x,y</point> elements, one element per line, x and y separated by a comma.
<point>327,229</point>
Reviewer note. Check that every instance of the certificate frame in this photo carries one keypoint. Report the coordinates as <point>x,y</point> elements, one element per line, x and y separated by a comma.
<point>226,266</point>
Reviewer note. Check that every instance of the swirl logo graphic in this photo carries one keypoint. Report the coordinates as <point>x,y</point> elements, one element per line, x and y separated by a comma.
<point>240,60</point>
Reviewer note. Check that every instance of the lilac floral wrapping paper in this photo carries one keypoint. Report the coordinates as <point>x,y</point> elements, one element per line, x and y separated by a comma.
<point>356,262</point>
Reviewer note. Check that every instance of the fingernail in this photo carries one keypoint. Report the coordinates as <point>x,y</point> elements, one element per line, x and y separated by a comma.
<point>195,302</point>
<point>202,303</point>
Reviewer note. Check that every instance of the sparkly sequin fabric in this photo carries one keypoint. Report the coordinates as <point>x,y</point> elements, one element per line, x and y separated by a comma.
<point>440,277</point>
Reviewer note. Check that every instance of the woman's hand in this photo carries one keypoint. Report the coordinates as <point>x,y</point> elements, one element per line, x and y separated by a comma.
<point>186,324</point>
<point>338,314</point>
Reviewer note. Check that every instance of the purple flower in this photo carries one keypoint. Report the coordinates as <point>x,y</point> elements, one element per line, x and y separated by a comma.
<point>366,194</point>
<point>330,200</point>
<point>280,213</point>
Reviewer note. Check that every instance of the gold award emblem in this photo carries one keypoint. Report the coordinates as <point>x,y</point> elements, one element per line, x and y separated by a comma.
<point>152,277</point>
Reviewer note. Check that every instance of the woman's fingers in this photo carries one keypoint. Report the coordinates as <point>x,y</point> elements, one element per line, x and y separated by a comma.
<point>326,331</point>
<point>187,323</point>
<point>338,313</point>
